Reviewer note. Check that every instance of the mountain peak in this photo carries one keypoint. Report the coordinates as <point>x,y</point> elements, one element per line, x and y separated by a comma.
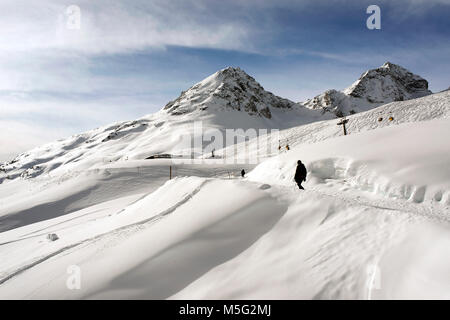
<point>228,89</point>
<point>230,75</point>
<point>388,83</point>
<point>390,65</point>
<point>381,85</point>
<point>394,68</point>
<point>232,71</point>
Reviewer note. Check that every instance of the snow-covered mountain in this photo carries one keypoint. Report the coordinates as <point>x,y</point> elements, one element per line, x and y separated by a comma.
<point>228,99</point>
<point>433,106</point>
<point>375,87</point>
<point>230,88</point>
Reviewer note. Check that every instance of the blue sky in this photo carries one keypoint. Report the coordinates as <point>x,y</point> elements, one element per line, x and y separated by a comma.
<point>131,57</point>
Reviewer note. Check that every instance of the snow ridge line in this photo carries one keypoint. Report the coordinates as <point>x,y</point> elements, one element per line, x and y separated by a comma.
<point>399,205</point>
<point>129,226</point>
<point>165,212</point>
<point>38,261</point>
<point>30,235</point>
<point>38,235</point>
<point>357,175</point>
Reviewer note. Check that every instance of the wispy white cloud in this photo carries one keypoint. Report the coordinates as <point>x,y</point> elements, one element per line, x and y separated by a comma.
<point>116,26</point>
<point>39,53</point>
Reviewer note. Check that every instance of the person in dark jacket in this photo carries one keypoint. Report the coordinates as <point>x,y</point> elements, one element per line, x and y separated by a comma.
<point>243,173</point>
<point>300,174</point>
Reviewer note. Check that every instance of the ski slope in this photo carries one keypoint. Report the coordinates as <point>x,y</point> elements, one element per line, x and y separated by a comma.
<point>435,106</point>
<point>373,223</point>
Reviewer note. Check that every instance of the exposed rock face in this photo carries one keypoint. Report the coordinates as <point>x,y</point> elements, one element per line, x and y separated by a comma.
<point>230,88</point>
<point>378,86</point>
<point>330,101</point>
<point>388,83</point>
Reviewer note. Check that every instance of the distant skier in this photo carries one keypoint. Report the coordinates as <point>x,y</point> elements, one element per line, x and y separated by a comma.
<point>300,174</point>
<point>243,173</point>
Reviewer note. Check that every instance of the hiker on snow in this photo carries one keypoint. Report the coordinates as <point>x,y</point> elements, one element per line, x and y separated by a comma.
<point>243,173</point>
<point>300,174</point>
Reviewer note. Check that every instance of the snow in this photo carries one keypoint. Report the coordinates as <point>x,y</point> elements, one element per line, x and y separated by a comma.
<point>408,161</point>
<point>168,243</point>
<point>28,201</point>
<point>360,211</point>
<point>436,106</point>
<point>373,222</point>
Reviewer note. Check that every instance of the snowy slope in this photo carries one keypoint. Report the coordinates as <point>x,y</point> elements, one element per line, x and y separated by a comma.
<point>435,106</point>
<point>375,87</point>
<point>408,161</point>
<point>227,99</point>
<point>27,201</point>
<point>369,225</point>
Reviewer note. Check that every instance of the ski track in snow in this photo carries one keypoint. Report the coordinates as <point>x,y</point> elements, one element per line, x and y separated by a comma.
<point>110,239</point>
<point>135,226</point>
